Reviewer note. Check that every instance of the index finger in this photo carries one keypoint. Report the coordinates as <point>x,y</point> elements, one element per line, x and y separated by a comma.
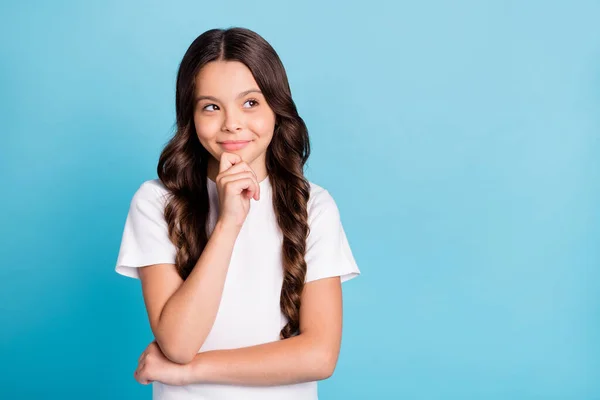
<point>227,160</point>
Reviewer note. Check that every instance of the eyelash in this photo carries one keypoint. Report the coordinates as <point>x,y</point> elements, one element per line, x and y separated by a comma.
<point>253,100</point>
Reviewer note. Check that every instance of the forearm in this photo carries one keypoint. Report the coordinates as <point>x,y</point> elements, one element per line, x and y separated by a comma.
<point>288,361</point>
<point>190,312</point>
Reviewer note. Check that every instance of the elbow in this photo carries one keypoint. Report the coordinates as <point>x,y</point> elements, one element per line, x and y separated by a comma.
<point>175,348</point>
<point>181,357</point>
<point>326,361</point>
<point>177,354</point>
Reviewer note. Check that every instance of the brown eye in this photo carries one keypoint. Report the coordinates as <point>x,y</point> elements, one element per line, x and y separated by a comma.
<point>252,101</point>
<point>208,105</point>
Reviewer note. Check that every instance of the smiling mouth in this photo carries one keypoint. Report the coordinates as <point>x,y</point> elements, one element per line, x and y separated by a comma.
<point>234,144</point>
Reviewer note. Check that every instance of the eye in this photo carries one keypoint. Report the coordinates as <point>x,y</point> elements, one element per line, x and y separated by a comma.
<point>209,105</point>
<point>253,101</point>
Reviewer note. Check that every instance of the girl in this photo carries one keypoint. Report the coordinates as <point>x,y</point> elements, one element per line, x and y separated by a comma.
<point>240,257</point>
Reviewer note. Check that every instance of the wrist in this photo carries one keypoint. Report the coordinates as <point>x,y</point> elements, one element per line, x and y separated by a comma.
<point>187,374</point>
<point>192,371</point>
<point>227,227</point>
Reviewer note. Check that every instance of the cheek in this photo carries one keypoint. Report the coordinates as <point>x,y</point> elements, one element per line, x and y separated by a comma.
<point>262,125</point>
<point>206,128</point>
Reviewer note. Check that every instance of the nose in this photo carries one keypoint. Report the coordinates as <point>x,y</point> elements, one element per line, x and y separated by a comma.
<point>233,121</point>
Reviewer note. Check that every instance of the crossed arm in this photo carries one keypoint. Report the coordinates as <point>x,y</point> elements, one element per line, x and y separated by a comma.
<point>182,312</point>
<point>312,355</point>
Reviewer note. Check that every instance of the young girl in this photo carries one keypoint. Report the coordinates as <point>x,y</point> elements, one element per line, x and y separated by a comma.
<point>240,257</point>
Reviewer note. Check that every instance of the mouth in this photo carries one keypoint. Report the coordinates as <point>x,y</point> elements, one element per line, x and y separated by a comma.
<point>234,144</point>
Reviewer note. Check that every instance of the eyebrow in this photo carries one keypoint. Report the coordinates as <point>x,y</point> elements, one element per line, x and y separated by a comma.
<point>242,94</point>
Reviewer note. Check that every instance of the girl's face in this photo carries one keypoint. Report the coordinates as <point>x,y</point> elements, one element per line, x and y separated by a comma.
<point>229,107</point>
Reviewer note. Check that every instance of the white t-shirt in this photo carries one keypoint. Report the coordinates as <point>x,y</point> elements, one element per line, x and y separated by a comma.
<point>249,313</point>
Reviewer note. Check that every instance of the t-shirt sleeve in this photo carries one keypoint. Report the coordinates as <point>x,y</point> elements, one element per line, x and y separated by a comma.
<point>328,252</point>
<point>145,238</point>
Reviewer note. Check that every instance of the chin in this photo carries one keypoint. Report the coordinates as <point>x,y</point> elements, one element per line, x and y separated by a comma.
<point>241,152</point>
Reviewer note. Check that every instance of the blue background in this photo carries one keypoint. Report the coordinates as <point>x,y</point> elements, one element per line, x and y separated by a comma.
<point>461,141</point>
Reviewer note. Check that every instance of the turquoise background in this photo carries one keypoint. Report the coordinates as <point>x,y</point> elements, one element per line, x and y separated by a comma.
<point>461,141</point>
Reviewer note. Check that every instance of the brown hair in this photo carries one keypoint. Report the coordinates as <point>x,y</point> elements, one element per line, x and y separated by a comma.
<point>182,165</point>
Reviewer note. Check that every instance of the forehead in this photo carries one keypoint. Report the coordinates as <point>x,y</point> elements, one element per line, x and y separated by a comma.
<point>225,78</point>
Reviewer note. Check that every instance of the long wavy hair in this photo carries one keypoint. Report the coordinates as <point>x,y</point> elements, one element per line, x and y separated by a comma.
<point>182,166</point>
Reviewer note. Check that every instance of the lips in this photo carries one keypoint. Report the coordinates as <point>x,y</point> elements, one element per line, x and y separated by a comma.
<point>234,144</point>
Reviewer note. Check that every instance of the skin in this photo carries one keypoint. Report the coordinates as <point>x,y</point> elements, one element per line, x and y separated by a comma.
<point>232,114</point>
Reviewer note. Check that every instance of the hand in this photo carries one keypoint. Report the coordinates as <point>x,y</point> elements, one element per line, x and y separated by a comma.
<point>236,185</point>
<point>154,366</point>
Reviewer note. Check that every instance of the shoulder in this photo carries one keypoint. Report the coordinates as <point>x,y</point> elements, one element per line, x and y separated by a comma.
<point>151,191</point>
<point>150,197</point>
<point>321,202</point>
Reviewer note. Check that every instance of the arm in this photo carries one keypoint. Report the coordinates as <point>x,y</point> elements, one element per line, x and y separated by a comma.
<point>310,356</point>
<point>182,313</point>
